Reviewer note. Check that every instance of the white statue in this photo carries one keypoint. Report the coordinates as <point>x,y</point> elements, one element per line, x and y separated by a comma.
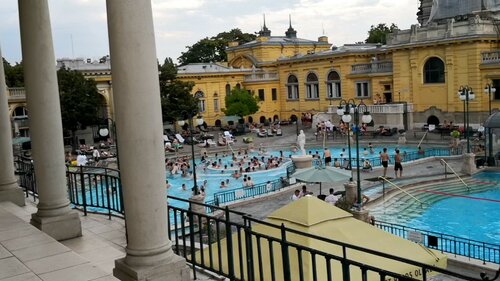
<point>301,141</point>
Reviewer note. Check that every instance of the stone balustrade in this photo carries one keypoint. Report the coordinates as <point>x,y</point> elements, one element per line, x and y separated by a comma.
<point>374,67</point>
<point>490,57</point>
<point>16,94</point>
<point>262,76</point>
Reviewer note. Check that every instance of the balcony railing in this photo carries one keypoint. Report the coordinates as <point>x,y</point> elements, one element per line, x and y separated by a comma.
<point>260,77</point>
<point>16,94</point>
<point>374,67</point>
<point>490,57</point>
<point>389,108</point>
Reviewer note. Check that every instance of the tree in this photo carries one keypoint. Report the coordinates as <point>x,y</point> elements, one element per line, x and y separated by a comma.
<point>14,75</point>
<point>378,34</point>
<point>175,95</point>
<point>213,49</point>
<point>241,103</point>
<point>80,101</point>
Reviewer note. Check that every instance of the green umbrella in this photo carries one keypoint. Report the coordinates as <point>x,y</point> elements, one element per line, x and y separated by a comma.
<point>322,174</point>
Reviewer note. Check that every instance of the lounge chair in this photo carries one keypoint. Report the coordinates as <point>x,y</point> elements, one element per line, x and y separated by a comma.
<point>279,132</point>
<point>179,138</point>
<point>262,133</point>
<point>211,142</point>
<point>270,132</point>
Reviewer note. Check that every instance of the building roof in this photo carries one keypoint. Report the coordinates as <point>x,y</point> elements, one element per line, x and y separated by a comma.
<point>85,66</point>
<point>345,49</point>
<point>206,68</point>
<point>278,41</point>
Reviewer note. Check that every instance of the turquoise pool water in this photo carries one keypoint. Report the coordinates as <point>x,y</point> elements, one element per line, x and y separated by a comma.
<point>470,215</point>
<point>214,177</point>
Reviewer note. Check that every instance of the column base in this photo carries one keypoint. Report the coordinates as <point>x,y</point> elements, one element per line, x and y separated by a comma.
<point>173,269</point>
<point>14,195</point>
<point>469,165</point>
<point>351,192</point>
<point>61,227</point>
<point>362,215</point>
<point>302,161</point>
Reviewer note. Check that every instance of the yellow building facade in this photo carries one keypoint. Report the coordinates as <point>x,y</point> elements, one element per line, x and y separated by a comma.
<point>423,68</point>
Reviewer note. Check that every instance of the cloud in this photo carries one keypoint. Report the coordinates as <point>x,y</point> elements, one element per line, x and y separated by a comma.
<point>182,23</point>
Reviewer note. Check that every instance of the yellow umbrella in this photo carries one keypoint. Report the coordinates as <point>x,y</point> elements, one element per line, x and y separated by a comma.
<point>313,216</point>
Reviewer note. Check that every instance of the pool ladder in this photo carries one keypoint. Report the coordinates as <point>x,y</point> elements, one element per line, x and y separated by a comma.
<point>446,165</point>
<point>396,186</point>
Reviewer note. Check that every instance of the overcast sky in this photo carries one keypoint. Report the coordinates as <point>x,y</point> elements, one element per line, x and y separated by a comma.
<point>79,26</point>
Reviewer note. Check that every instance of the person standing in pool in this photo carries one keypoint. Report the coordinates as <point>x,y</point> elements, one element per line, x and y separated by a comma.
<point>328,157</point>
<point>397,165</point>
<point>384,159</point>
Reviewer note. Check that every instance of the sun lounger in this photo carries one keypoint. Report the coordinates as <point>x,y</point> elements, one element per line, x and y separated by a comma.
<point>270,133</point>
<point>279,132</point>
<point>179,138</point>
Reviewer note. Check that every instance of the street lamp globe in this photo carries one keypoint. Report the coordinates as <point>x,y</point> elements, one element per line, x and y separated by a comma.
<point>340,111</point>
<point>181,123</point>
<point>346,118</point>
<point>367,118</point>
<point>489,89</point>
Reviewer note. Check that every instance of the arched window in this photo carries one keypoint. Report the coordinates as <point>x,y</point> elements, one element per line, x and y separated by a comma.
<point>292,87</point>
<point>333,85</point>
<point>434,71</point>
<point>228,90</point>
<point>201,104</point>
<point>312,87</point>
<point>20,112</point>
<point>238,86</point>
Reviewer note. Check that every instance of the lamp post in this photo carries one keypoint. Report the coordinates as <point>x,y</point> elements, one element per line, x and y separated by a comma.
<point>199,121</point>
<point>489,89</point>
<point>111,132</point>
<point>466,94</point>
<point>345,109</point>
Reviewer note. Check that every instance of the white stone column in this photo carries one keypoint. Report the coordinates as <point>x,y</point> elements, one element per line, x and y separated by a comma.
<point>9,189</point>
<point>139,128</point>
<point>54,215</point>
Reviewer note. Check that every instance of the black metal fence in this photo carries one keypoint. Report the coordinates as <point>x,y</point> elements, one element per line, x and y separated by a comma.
<point>234,244</point>
<point>239,247</point>
<point>224,197</point>
<point>446,243</point>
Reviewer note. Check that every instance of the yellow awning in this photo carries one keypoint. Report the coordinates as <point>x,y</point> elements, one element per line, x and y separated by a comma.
<point>313,216</point>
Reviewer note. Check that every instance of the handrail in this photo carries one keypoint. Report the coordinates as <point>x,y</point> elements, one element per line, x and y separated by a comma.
<point>448,165</point>
<point>418,145</point>
<point>393,184</point>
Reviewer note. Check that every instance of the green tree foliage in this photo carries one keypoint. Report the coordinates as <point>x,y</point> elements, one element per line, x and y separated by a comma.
<point>213,49</point>
<point>175,95</point>
<point>241,103</point>
<point>14,75</point>
<point>378,34</point>
<point>80,101</point>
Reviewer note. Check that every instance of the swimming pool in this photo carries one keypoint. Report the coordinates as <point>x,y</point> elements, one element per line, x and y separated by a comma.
<point>451,209</point>
<point>215,177</point>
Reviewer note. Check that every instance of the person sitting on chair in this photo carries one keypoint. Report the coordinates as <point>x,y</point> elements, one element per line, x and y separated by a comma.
<point>367,165</point>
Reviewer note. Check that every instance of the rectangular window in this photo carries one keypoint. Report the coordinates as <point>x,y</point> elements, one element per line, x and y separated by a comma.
<point>334,90</point>
<point>496,85</point>
<point>363,89</point>
<point>274,94</point>
<point>202,106</point>
<point>216,105</point>
<point>261,95</point>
